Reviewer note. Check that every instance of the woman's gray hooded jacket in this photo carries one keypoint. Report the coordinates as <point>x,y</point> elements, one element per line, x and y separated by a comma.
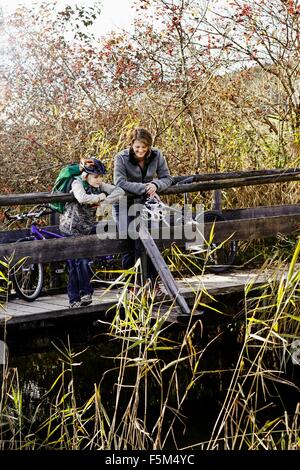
<point>129,176</point>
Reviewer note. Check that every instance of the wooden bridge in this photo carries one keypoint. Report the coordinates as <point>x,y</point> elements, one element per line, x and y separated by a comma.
<point>241,224</point>
<point>45,309</point>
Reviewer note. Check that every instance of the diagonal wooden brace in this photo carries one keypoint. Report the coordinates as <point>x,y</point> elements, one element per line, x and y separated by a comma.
<point>162,269</point>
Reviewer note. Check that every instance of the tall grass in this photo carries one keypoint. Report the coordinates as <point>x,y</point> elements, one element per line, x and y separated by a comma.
<point>250,417</point>
<point>153,375</point>
<point>136,420</point>
<point>10,395</point>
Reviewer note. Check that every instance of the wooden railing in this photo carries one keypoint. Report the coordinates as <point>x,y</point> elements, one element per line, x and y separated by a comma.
<point>201,182</point>
<point>242,224</point>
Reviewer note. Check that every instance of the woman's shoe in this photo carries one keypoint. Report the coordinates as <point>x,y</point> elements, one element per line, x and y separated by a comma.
<point>161,294</point>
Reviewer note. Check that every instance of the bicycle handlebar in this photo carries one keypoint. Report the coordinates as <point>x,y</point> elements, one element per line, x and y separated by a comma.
<point>28,215</point>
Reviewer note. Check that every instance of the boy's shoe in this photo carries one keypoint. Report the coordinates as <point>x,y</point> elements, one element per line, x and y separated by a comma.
<point>75,304</point>
<point>86,300</point>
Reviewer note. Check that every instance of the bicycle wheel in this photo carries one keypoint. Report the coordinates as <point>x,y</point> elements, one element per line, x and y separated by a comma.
<point>219,256</point>
<point>28,279</point>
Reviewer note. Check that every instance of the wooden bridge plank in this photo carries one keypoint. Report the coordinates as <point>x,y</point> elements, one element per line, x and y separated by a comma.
<point>261,211</point>
<point>162,269</point>
<point>231,183</point>
<point>236,174</point>
<point>9,236</point>
<point>19,311</point>
<point>62,248</point>
<point>251,229</point>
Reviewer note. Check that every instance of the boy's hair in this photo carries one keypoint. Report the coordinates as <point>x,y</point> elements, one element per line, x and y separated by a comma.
<point>141,134</point>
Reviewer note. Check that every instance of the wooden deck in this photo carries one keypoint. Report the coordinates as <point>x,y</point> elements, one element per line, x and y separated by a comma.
<point>50,308</point>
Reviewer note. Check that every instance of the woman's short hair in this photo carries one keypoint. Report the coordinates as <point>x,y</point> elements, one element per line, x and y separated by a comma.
<point>141,134</point>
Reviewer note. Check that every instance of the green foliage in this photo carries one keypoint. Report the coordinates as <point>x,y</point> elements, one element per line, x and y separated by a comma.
<point>153,371</point>
<point>74,95</point>
<point>5,282</point>
<point>204,114</point>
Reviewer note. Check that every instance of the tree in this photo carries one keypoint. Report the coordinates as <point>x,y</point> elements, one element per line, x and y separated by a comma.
<point>265,35</point>
<point>54,92</point>
<point>166,65</point>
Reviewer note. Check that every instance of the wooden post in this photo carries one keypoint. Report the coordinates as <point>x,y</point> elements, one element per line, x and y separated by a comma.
<point>56,268</point>
<point>217,195</point>
<point>142,254</point>
<point>162,269</point>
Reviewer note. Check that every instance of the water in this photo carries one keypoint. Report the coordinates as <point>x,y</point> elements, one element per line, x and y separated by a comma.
<point>40,355</point>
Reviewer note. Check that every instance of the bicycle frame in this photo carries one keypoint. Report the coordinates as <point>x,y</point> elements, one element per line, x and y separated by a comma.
<point>28,278</point>
<point>42,234</point>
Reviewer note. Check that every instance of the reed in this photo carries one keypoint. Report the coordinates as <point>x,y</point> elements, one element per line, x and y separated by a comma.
<point>154,374</point>
<point>271,328</point>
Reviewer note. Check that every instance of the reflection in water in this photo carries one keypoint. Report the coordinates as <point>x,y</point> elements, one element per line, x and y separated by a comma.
<point>97,363</point>
<point>96,358</point>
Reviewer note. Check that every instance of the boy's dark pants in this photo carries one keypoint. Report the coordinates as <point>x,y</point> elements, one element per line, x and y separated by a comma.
<point>80,274</point>
<point>79,279</point>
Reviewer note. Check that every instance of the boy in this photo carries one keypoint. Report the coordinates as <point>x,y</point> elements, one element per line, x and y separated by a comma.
<point>78,218</point>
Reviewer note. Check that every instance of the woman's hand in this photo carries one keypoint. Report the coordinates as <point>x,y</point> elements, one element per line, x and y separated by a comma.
<point>102,197</point>
<point>151,189</point>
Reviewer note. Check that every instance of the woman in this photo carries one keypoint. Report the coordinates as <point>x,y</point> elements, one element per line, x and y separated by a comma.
<point>143,171</point>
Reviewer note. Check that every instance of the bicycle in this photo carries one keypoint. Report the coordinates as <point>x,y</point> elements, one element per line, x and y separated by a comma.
<point>219,257</point>
<point>28,279</point>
